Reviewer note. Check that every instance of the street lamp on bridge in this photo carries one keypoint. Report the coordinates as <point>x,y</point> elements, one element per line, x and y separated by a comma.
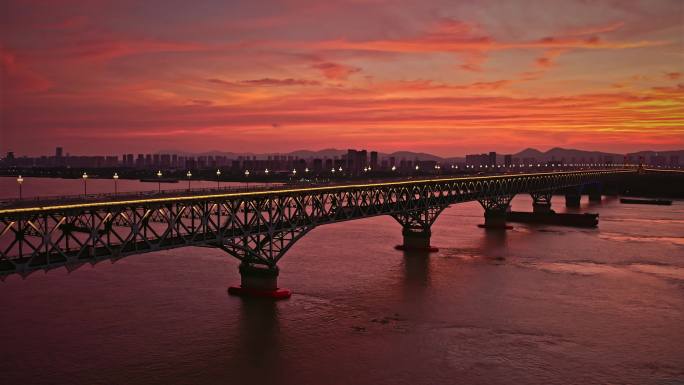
<point>116,178</point>
<point>218,179</point>
<point>247,178</point>
<point>20,180</point>
<point>85,183</point>
<point>189,175</point>
<point>159,175</point>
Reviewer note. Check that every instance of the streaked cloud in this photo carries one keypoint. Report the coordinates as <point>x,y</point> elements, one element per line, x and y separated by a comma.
<point>442,76</point>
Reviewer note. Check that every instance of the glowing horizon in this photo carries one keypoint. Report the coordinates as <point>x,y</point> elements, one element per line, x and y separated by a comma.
<point>444,77</point>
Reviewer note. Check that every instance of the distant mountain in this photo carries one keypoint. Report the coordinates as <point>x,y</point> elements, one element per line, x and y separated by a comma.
<point>558,153</point>
<point>409,155</point>
<point>649,154</point>
<point>529,153</point>
<point>326,153</point>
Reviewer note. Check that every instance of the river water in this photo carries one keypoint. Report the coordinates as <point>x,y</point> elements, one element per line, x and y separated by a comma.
<point>532,305</point>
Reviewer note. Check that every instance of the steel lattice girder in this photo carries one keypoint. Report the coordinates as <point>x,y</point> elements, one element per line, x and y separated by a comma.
<point>257,227</point>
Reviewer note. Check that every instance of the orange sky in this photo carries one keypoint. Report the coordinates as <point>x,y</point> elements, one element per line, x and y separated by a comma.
<point>446,77</point>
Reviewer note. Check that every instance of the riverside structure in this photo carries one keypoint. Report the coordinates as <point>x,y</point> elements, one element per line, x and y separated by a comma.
<point>259,227</point>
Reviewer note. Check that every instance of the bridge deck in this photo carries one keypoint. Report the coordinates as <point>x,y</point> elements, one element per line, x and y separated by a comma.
<point>101,200</point>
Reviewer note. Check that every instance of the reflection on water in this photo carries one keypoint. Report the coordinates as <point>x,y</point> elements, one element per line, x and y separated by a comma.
<point>416,269</point>
<point>258,343</point>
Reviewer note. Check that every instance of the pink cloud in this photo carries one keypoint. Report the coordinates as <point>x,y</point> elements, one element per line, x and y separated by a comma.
<point>17,77</point>
<point>335,71</point>
<point>267,82</point>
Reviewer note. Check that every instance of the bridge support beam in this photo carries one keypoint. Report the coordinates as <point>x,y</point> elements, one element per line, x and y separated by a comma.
<point>496,211</point>
<point>259,281</point>
<point>541,202</point>
<point>259,255</point>
<point>416,228</point>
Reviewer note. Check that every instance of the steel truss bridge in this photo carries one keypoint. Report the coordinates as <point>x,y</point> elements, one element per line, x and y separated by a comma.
<point>257,227</point>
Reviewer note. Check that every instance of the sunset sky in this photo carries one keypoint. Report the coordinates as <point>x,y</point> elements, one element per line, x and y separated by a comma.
<point>446,77</point>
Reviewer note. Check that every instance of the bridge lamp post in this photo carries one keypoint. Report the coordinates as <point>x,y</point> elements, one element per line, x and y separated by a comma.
<point>394,168</point>
<point>20,180</point>
<point>218,179</point>
<point>116,179</point>
<point>247,179</point>
<point>340,169</point>
<point>159,175</point>
<point>268,183</point>
<point>85,183</point>
<point>189,175</point>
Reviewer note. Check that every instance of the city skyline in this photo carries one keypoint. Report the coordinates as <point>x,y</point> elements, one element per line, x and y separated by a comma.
<point>351,161</point>
<point>442,77</point>
<point>325,152</point>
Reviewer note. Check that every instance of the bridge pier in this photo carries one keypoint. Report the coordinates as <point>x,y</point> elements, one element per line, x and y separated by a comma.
<point>259,281</point>
<point>416,228</point>
<point>541,202</point>
<point>573,197</point>
<point>595,193</point>
<point>496,211</point>
<point>416,239</point>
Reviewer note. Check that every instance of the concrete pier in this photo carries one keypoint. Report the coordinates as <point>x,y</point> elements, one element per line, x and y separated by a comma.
<point>416,239</point>
<point>573,200</point>
<point>541,207</point>
<point>595,196</point>
<point>594,192</point>
<point>259,281</point>
<point>496,219</point>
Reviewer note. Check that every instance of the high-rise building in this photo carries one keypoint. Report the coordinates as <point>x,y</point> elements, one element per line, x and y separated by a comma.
<point>351,160</point>
<point>374,160</point>
<point>59,152</point>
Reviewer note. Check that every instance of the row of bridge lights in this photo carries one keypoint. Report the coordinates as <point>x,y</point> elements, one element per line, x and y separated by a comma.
<point>115,177</point>
<point>551,165</point>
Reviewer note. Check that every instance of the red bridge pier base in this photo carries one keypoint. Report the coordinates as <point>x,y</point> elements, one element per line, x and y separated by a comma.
<point>259,281</point>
